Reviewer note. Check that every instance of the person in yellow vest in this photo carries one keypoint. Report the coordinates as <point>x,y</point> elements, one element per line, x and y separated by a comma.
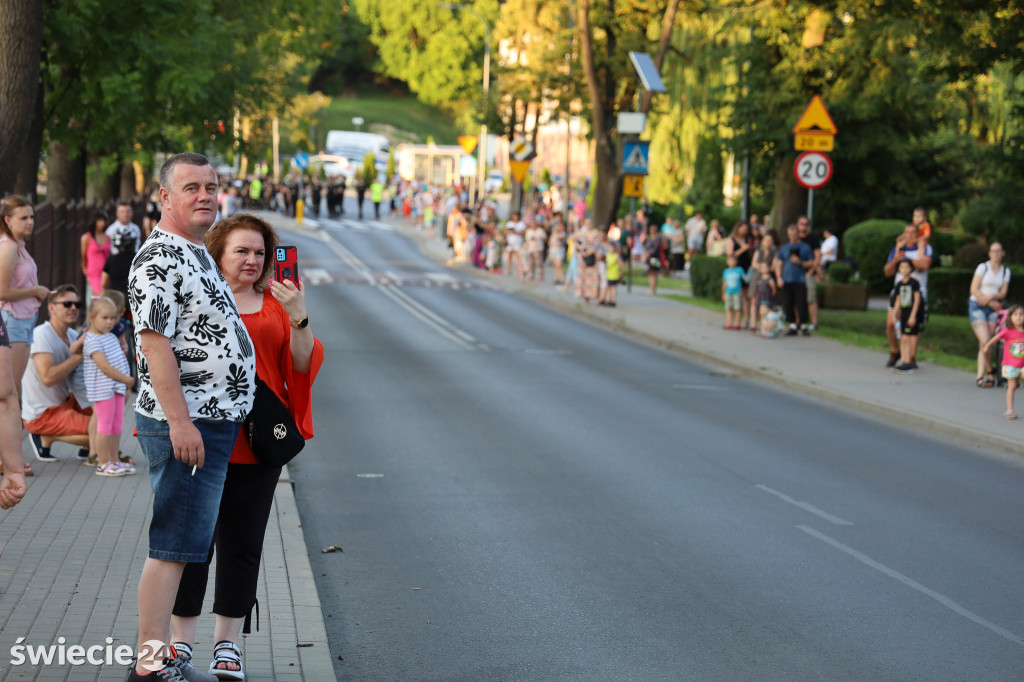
<point>256,193</point>
<point>377,194</point>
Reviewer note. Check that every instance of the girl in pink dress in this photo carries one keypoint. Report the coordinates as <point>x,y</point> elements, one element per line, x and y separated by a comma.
<point>1013,353</point>
<point>95,251</point>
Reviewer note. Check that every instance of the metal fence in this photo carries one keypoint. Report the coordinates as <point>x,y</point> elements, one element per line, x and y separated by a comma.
<point>56,241</point>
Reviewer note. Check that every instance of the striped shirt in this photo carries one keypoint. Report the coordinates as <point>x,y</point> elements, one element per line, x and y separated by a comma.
<point>97,384</point>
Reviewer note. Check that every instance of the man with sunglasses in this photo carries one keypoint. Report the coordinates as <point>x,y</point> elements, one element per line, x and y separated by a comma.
<point>49,407</point>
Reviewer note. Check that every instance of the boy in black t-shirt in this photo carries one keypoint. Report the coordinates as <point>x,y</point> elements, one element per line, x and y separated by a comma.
<point>905,299</point>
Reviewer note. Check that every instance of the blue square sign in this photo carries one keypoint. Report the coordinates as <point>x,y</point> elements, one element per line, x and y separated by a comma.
<point>634,157</point>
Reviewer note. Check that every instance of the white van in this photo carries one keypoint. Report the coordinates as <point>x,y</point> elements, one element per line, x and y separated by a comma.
<point>354,146</point>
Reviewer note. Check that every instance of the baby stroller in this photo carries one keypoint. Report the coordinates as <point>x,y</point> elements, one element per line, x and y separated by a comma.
<point>774,324</point>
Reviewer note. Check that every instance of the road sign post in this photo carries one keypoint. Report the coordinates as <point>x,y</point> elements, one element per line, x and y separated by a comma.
<point>812,170</point>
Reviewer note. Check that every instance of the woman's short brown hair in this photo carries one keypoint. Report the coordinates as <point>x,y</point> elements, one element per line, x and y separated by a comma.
<point>217,236</point>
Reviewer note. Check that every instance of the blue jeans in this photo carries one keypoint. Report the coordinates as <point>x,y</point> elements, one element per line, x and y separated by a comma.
<point>185,506</point>
<point>18,330</point>
<point>980,313</point>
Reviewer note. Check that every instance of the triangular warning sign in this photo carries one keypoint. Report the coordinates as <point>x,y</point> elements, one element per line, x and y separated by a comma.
<point>519,169</point>
<point>636,159</point>
<point>468,142</point>
<point>815,119</point>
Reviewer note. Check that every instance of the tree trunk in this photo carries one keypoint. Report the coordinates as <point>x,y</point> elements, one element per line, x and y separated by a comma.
<point>127,188</point>
<point>21,25</point>
<point>790,197</point>
<point>101,186</point>
<point>65,172</point>
<point>28,170</point>
<point>608,181</point>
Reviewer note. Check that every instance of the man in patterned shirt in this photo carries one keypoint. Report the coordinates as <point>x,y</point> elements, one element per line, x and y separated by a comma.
<point>197,382</point>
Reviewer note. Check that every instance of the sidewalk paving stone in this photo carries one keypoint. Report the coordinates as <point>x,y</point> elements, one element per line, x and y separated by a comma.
<point>70,558</point>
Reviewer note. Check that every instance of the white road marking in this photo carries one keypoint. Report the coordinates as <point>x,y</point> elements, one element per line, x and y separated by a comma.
<point>369,475</point>
<point>806,506</point>
<point>315,276</point>
<point>913,584</point>
<point>413,307</point>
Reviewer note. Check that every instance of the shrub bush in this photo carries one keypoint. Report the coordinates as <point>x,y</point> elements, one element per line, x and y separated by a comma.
<point>949,288</point>
<point>869,243</point>
<point>706,276</point>
<point>840,273</point>
<point>970,256</point>
<point>948,243</point>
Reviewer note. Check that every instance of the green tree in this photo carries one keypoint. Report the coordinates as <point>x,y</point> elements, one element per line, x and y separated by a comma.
<point>369,169</point>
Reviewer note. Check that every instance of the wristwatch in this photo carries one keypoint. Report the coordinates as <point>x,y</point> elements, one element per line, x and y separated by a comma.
<point>301,324</point>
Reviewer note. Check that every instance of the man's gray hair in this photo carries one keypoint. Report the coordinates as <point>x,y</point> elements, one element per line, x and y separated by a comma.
<point>187,158</point>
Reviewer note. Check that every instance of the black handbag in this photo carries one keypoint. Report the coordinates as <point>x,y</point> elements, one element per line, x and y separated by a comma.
<point>271,429</point>
<point>589,260</point>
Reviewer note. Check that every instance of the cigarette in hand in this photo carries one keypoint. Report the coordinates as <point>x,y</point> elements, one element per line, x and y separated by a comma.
<point>194,469</point>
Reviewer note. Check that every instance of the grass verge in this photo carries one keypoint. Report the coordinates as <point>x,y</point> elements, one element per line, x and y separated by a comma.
<point>947,340</point>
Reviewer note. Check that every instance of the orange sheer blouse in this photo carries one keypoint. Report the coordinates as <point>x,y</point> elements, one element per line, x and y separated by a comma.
<point>271,334</point>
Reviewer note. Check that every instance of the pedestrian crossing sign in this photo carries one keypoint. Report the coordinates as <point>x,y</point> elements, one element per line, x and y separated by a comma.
<point>634,157</point>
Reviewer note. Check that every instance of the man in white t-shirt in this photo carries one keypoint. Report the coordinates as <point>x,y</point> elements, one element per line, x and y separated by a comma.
<point>197,375</point>
<point>53,404</point>
<point>909,245</point>
<point>124,225</point>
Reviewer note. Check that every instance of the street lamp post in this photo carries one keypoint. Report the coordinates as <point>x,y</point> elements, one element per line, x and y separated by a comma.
<point>481,169</point>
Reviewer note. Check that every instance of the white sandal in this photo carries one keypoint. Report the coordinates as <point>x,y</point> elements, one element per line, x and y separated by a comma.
<point>226,653</point>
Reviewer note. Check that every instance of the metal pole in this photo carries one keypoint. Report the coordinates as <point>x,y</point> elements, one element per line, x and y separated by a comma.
<point>810,206</point>
<point>481,170</point>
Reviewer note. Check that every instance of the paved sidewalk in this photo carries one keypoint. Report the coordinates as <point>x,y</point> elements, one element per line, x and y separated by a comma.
<point>70,558</point>
<point>936,400</point>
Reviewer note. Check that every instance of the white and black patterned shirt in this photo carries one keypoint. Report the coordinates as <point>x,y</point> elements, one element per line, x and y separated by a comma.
<point>175,290</point>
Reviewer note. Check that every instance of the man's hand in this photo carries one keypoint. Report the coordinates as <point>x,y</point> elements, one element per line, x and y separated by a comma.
<point>187,443</point>
<point>12,489</point>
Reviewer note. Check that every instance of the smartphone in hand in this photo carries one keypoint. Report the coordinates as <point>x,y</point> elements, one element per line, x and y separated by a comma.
<point>286,264</point>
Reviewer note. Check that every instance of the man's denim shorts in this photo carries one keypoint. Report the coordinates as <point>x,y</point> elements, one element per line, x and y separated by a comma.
<point>185,506</point>
<point>980,313</point>
<point>18,330</point>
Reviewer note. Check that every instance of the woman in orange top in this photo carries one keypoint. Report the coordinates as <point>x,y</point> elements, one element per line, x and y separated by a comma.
<point>288,358</point>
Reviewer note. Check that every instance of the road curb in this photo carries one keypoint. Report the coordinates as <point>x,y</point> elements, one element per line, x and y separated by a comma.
<point>925,424</point>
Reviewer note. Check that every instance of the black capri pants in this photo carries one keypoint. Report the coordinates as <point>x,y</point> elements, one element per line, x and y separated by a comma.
<point>238,540</point>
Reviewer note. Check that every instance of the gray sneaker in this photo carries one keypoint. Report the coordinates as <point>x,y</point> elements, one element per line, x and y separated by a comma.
<point>168,674</point>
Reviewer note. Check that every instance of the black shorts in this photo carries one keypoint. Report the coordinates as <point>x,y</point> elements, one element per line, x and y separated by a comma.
<point>916,327</point>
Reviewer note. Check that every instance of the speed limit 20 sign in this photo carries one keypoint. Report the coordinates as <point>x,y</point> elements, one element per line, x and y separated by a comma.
<point>813,169</point>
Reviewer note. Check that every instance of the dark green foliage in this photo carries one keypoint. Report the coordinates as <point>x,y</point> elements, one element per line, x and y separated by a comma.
<point>948,243</point>
<point>706,275</point>
<point>840,273</point>
<point>869,243</point>
<point>970,255</point>
<point>708,175</point>
<point>949,288</point>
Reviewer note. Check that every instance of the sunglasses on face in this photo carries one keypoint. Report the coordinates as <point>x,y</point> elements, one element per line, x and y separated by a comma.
<point>69,304</point>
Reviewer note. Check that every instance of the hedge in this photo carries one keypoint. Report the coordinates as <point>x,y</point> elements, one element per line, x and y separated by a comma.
<point>869,243</point>
<point>949,289</point>
<point>706,275</point>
